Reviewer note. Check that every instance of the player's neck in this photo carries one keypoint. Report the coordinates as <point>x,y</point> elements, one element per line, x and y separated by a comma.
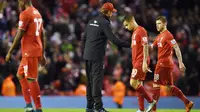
<point>164,29</point>
<point>28,5</point>
<point>136,26</point>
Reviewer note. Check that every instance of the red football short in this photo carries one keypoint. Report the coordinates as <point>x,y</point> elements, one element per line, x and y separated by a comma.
<point>138,74</point>
<point>163,76</point>
<point>29,67</point>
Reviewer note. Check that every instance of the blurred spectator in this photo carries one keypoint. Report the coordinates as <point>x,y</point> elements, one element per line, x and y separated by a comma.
<point>8,86</point>
<point>118,91</point>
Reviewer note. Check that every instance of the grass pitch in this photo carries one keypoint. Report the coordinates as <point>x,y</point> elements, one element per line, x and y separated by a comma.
<point>83,110</point>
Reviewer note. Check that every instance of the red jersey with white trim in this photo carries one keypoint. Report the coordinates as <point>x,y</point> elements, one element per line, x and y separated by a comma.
<point>165,41</point>
<point>31,22</point>
<point>139,38</point>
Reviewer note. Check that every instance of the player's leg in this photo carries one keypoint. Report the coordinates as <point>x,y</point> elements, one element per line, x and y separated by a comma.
<point>22,70</point>
<point>140,102</point>
<point>136,76</point>
<point>156,95</point>
<point>35,93</point>
<point>160,78</point>
<point>178,93</point>
<point>90,100</point>
<point>33,83</point>
<point>136,84</point>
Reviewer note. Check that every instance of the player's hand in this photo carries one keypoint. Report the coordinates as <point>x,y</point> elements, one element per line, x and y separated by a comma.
<point>8,56</point>
<point>145,68</point>
<point>43,61</point>
<point>182,67</point>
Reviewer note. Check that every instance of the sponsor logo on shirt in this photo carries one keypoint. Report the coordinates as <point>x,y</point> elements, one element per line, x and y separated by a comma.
<point>144,39</point>
<point>20,23</point>
<point>173,41</point>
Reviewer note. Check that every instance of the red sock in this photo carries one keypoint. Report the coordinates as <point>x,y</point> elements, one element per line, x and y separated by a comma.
<point>142,91</point>
<point>141,102</point>
<point>156,96</point>
<point>25,90</point>
<point>35,93</point>
<point>177,92</point>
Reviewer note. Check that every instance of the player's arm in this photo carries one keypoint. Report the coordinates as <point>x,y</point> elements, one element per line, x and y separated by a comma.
<point>144,42</point>
<point>145,67</point>
<point>145,53</point>
<point>43,39</point>
<point>179,56</point>
<point>153,45</point>
<point>178,53</point>
<point>18,37</point>
<point>23,23</point>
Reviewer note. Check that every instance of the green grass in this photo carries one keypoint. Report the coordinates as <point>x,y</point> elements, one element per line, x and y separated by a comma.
<point>83,110</point>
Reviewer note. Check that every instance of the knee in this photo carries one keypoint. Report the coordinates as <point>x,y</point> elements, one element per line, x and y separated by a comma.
<point>20,77</point>
<point>170,87</point>
<point>31,80</point>
<point>134,83</point>
<point>156,85</point>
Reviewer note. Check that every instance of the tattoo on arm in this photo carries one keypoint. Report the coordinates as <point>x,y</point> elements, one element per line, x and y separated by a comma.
<point>145,52</point>
<point>178,52</point>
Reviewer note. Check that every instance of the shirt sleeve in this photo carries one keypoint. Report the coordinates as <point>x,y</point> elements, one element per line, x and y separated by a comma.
<point>23,21</point>
<point>171,41</point>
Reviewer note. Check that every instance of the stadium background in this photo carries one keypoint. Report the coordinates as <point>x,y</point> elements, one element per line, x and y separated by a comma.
<point>65,20</point>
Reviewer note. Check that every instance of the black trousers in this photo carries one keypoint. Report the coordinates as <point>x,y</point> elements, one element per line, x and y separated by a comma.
<point>95,74</point>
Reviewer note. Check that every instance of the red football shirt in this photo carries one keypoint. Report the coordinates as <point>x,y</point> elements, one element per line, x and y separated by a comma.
<point>31,22</point>
<point>165,41</point>
<point>139,38</point>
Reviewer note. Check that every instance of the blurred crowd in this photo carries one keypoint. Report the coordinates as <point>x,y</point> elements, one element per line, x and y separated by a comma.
<point>65,21</point>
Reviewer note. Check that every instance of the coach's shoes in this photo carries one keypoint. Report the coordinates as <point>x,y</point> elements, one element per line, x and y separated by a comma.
<point>29,108</point>
<point>38,110</point>
<point>89,110</point>
<point>189,106</point>
<point>101,110</point>
<point>151,106</point>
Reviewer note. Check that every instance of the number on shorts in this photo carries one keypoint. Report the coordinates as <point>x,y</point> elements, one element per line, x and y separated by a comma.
<point>38,22</point>
<point>156,77</point>
<point>134,72</point>
<point>25,70</point>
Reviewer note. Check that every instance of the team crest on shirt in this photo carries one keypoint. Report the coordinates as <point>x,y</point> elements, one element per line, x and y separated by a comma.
<point>20,24</point>
<point>173,41</point>
<point>133,40</point>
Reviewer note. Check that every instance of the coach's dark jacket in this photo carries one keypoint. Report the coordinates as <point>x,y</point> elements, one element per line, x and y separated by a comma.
<point>95,38</point>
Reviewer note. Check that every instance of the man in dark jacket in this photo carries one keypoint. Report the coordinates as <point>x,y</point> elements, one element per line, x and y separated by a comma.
<point>98,32</point>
